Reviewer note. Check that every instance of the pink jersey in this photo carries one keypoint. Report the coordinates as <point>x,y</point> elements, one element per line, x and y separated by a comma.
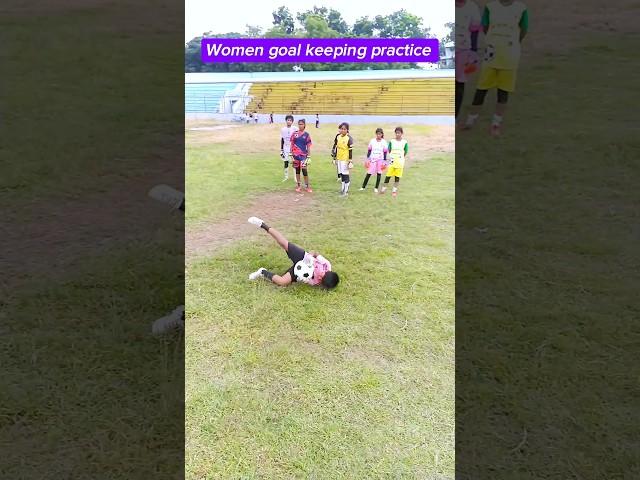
<point>320,266</point>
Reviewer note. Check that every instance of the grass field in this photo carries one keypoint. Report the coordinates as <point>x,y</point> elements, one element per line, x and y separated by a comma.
<point>303,383</point>
<point>546,227</point>
<point>86,391</point>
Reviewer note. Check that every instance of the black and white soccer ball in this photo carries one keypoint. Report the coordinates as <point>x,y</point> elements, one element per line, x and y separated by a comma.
<point>489,53</point>
<point>303,271</point>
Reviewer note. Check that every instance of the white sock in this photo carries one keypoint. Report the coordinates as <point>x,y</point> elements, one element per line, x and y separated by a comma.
<point>395,189</point>
<point>471,118</point>
<point>497,120</point>
<point>343,187</point>
<point>346,188</point>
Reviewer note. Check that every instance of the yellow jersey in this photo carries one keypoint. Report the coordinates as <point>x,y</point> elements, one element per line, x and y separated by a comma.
<point>343,146</point>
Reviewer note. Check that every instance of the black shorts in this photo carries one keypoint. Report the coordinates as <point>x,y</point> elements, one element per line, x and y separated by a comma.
<point>295,254</point>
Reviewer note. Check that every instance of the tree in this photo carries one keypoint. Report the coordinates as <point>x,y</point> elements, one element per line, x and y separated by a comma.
<point>449,37</point>
<point>363,27</point>
<point>319,22</point>
<point>254,31</point>
<point>381,26</point>
<point>283,18</point>
<point>317,27</point>
<point>336,22</point>
<point>319,11</point>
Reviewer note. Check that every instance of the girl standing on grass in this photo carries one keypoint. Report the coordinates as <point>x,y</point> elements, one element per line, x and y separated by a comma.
<point>334,152</point>
<point>398,151</point>
<point>376,162</point>
<point>343,146</point>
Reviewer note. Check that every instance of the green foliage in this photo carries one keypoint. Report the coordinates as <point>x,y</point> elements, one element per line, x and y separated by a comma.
<point>317,27</point>
<point>282,18</point>
<point>363,27</point>
<point>318,22</point>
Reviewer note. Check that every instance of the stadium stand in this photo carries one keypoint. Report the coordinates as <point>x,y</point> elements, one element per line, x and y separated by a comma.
<point>411,92</point>
<point>433,96</point>
<point>205,97</point>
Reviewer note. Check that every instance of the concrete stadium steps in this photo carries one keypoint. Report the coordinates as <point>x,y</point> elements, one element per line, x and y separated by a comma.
<point>205,97</point>
<point>371,97</point>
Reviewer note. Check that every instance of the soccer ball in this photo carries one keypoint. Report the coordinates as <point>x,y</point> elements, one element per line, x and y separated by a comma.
<point>489,53</point>
<point>303,271</point>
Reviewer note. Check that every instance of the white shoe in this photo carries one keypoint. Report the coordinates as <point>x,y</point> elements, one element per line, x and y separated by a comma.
<point>168,195</point>
<point>362,189</point>
<point>174,320</point>
<point>285,179</point>
<point>375,190</point>
<point>255,221</point>
<point>256,275</point>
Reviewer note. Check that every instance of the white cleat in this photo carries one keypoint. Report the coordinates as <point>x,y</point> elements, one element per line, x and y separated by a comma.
<point>168,195</point>
<point>255,221</point>
<point>170,322</point>
<point>256,275</point>
<point>375,190</point>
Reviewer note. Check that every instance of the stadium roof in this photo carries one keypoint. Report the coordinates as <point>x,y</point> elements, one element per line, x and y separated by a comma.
<point>314,76</point>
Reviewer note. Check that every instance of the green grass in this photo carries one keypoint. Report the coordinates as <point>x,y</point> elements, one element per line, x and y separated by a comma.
<point>228,169</point>
<point>545,245</point>
<point>67,84</point>
<point>86,391</point>
<point>299,382</point>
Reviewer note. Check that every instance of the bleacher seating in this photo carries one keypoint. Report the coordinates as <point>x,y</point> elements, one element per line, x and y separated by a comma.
<point>205,97</point>
<point>432,96</point>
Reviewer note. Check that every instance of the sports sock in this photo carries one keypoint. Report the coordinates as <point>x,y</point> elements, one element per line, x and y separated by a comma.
<point>471,118</point>
<point>267,274</point>
<point>366,180</point>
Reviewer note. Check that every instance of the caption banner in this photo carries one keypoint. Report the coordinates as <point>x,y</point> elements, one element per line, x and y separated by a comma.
<point>310,50</point>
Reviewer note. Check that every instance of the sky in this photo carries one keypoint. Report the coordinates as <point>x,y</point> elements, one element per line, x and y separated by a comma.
<point>206,15</point>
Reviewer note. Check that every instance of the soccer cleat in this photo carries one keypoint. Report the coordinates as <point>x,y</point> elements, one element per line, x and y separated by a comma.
<point>495,130</point>
<point>255,221</point>
<point>384,189</point>
<point>309,190</point>
<point>257,274</point>
<point>298,189</point>
<point>375,190</point>
<point>174,320</point>
<point>394,194</point>
<point>361,189</point>
<point>166,194</point>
